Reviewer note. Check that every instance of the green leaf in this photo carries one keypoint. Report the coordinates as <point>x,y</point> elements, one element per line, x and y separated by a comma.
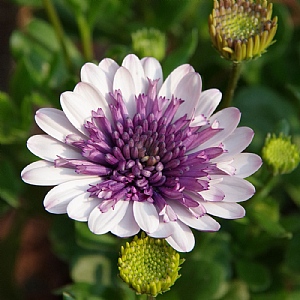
<point>206,282</point>
<point>11,127</point>
<point>33,3</point>
<point>255,275</point>
<point>238,290</point>
<point>88,240</point>
<point>62,237</point>
<point>262,109</point>
<point>67,296</point>
<point>266,213</point>
<point>9,183</point>
<point>93,269</point>
<point>292,258</point>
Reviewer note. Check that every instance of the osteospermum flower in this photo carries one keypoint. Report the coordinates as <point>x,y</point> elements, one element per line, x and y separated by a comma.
<point>129,152</point>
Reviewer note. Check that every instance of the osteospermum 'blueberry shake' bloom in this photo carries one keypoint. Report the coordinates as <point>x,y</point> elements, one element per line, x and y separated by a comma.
<point>129,152</point>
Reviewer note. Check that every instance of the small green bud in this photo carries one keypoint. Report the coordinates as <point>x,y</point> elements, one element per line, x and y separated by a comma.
<point>242,29</point>
<point>280,154</point>
<point>149,266</point>
<point>149,42</point>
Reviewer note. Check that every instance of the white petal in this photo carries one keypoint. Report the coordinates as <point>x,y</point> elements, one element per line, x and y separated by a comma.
<point>109,67</point>
<point>235,189</point>
<point>209,100</point>
<point>44,173</point>
<point>146,216</point>
<point>214,193</point>
<point>163,230</point>
<point>58,198</point>
<point>134,66</point>
<point>48,148</point>
<point>100,223</point>
<point>123,81</point>
<point>93,75</point>
<point>224,209</point>
<point>246,164</point>
<point>171,82</point>
<point>127,226</point>
<point>81,206</point>
<point>55,123</point>
<point>153,70</point>
<point>236,142</point>
<point>227,119</point>
<point>189,90</point>
<point>204,223</point>
<point>78,105</point>
<point>93,98</point>
<point>182,239</point>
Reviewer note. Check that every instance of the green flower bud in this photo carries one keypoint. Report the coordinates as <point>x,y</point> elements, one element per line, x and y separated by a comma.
<point>149,42</point>
<point>149,266</point>
<point>280,154</point>
<point>242,29</point>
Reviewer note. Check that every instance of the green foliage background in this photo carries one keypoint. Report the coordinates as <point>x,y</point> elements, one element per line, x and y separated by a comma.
<point>257,257</point>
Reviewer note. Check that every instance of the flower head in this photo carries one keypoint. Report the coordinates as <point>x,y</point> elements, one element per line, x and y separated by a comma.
<point>150,266</point>
<point>280,154</point>
<point>242,29</point>
<point>129,152</point>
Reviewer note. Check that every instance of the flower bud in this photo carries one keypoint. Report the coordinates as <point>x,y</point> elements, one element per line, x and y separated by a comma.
<point>280,154</point>
<point>242,29</point>
<point>149,266</point>
<point>149,42</point>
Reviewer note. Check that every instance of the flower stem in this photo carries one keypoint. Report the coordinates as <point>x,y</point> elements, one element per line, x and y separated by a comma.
<point>54,19</point>
<point>233,80</point>
<point>86,37</point>
<point>150,297</point>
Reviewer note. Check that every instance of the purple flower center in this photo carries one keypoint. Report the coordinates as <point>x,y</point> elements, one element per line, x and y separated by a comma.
<point>144,158</point>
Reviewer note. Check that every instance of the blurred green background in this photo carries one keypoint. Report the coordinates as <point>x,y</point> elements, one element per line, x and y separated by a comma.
<point>44,256</point>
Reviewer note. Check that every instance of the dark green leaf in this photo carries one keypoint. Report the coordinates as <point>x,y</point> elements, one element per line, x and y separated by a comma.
<point>266,213</point>
<point>255,275</point>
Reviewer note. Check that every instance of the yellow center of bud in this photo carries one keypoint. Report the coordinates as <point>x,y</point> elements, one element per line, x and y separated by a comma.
<point>242,29</point>
<point>149,266</point>
<point>280,154</point>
